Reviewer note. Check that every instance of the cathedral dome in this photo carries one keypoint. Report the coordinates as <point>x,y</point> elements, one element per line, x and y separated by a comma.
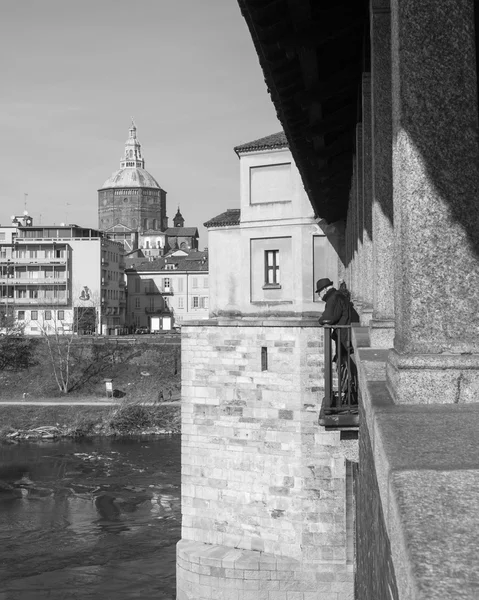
<point>132,172</point>
<point>132,177</point>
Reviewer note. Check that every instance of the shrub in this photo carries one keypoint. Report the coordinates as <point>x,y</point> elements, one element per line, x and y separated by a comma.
<point>131,416</point>
<point>16,352</point>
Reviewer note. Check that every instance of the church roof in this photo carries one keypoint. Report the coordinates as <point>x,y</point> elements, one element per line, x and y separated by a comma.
<point>270,142</point>
<point>181,231</point>
<point>231,217</point>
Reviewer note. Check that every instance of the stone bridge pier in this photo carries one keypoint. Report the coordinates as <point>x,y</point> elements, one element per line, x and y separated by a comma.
<point>267,510</point>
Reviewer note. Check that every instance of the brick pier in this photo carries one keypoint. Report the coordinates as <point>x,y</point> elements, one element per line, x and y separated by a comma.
<point>264,507</point>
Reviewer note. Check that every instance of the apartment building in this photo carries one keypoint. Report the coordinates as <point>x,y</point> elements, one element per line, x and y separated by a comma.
<point>61,278</point>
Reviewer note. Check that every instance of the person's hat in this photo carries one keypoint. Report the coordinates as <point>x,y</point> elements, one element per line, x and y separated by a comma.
<point>323,283</point>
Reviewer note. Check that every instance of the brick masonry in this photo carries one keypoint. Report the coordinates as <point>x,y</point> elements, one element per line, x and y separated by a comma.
<point>260,478</point>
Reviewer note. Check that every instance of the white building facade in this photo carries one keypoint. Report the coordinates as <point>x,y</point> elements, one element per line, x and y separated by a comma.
<point>169,291</point>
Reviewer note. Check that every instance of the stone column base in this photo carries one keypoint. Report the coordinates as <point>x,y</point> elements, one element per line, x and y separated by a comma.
<point>433,378</point>
<point>211,572</point>
<point>365,314</point>
<point>381,333</point>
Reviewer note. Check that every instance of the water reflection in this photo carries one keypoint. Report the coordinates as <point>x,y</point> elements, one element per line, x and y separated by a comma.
<point>89,520</point>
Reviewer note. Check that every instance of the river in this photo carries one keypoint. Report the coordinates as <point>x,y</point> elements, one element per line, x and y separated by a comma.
<point>89,520</point>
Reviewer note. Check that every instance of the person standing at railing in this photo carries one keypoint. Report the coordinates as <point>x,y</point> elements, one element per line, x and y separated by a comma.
<point>338,311</point>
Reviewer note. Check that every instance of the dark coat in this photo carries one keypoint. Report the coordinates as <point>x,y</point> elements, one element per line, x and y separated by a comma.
<point>338,311</point>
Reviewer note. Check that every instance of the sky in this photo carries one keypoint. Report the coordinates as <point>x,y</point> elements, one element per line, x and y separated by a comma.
<point>74,73</point>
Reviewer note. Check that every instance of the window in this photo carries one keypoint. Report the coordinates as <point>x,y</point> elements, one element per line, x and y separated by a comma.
<point>180,284</point>
<point>271,267</point>
<point>48,315</point>
<point>204,302</point>
<point>137,303</point>
<point>180,303</point>
<point>166,284</point>
<point>264,358</point>
<point>205,282</point>
<point>21,315</point>
<point>34,315</point>
<point>61,315</point>
<point>137,285</point>
<point>195,282</point>
<point>33,254</point>
<point>196,301</point>
<point>2,235</point>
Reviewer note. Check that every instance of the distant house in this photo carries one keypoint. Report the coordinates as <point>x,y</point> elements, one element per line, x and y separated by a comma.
<point>168,291</point>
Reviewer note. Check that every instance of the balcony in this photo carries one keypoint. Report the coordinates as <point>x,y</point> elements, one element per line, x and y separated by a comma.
<point>33,281</point>
<point>36,281</point>
<point>156,311</point>
<point>34,261</point>
<point>34,302</point>
<point>339,409</point>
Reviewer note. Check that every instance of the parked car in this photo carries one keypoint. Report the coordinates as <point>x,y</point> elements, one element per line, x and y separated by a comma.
<point>142,330</point>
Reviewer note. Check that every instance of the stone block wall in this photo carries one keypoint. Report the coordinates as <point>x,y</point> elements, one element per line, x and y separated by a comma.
<point>375,575</point>
<point>259,476</point>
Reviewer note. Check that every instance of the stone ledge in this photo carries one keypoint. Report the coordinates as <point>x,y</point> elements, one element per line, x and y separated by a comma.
<point>426,459</point>
<point>254,322</point>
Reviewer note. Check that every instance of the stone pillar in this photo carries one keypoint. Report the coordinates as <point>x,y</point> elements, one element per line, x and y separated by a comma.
<point>436,208</point>
<point>381,327</point>
<point>359,216</point>
<point>353,218</point>
<point>367,262</point>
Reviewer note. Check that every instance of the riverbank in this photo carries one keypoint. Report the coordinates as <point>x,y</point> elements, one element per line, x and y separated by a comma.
<point>57,421</point>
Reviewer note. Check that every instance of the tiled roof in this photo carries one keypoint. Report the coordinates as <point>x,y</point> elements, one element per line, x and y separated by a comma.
<point>276,140</point>
<point>181,231</point>
<point>231,217</point>
<point>183,263</point>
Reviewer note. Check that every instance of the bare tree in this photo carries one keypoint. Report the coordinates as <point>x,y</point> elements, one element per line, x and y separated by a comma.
<point>68,357</point>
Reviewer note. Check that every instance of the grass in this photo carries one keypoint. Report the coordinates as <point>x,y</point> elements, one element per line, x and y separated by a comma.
<point>141,373</point>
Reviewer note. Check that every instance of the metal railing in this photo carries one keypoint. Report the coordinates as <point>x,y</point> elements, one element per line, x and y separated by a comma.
<point>340,403</point>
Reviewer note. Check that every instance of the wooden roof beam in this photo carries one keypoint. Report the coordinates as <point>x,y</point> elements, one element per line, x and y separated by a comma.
<point>339,120</point>
<point>343,81</point>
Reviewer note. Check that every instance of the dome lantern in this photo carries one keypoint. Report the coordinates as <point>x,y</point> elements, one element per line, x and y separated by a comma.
<point>132,157</point>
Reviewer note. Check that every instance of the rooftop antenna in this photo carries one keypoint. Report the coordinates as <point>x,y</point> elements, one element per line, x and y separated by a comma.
<point>67,204</point>
<point>25,198</point>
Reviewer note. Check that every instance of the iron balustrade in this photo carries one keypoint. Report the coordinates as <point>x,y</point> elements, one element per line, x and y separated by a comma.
<point>339,408</point>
